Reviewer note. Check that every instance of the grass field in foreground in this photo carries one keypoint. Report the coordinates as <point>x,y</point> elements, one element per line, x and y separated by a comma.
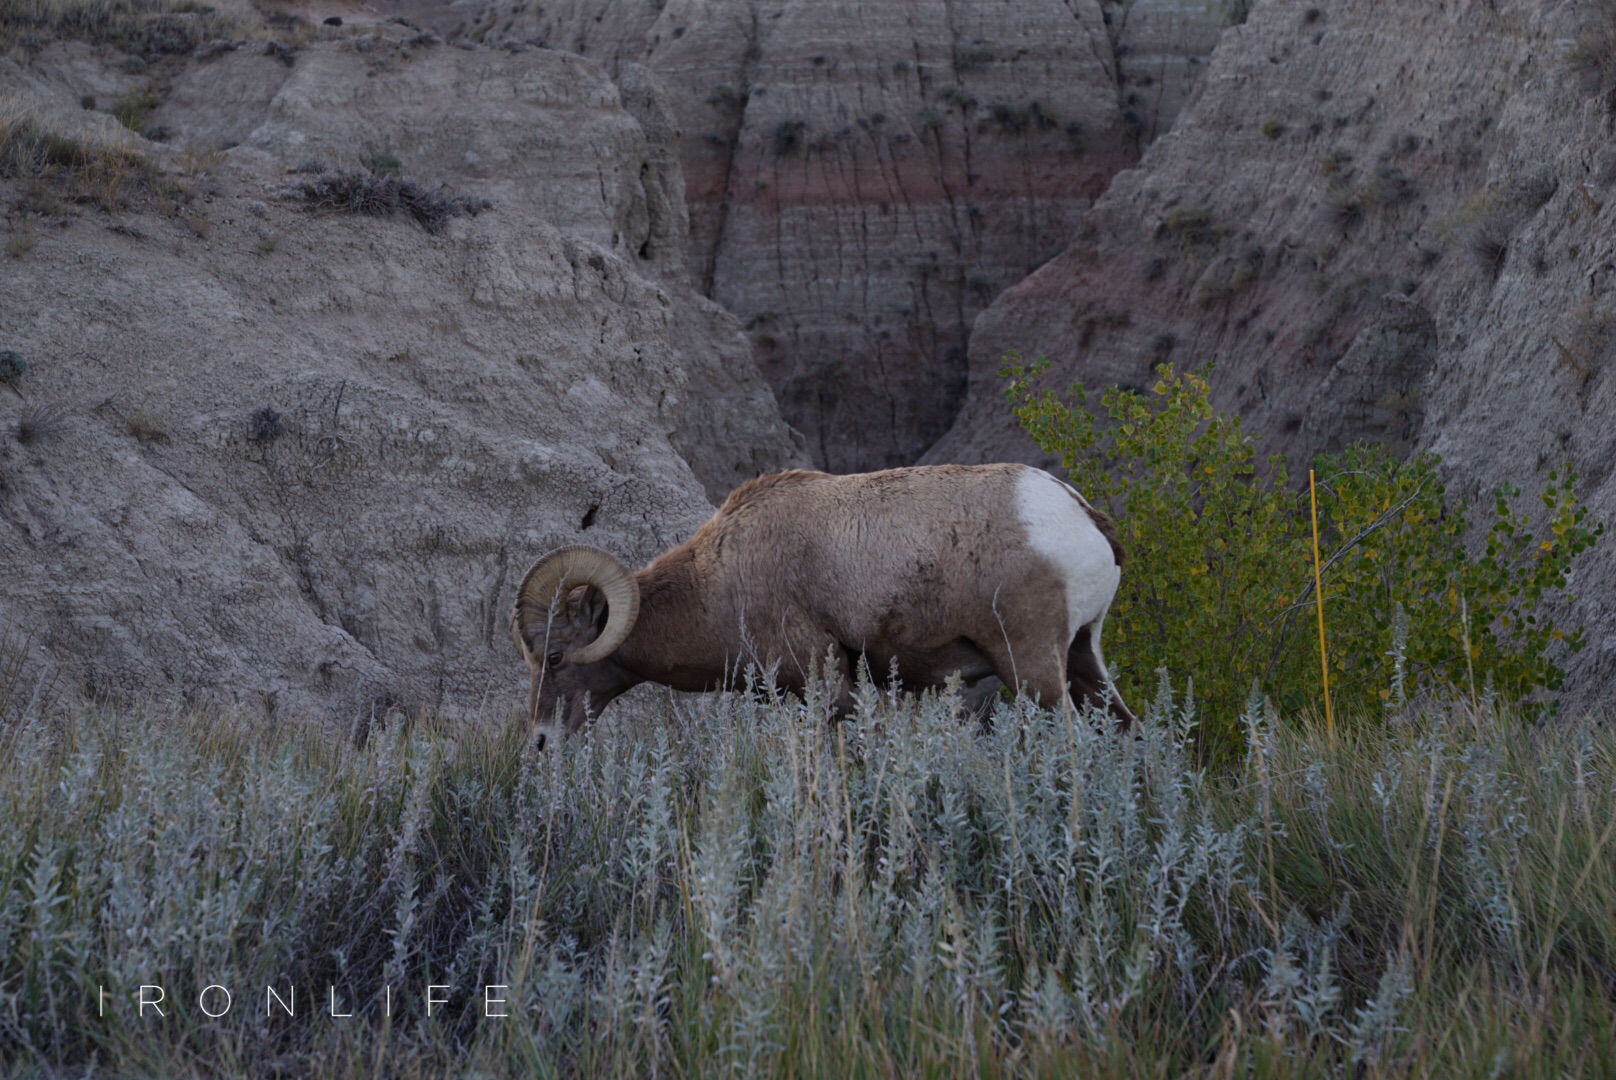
<point>736,887</point>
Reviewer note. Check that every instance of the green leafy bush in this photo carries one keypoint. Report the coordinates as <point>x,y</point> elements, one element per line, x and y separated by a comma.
<point>1219,584</point>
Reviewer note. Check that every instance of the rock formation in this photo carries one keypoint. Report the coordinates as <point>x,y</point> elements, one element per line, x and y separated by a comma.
<point>864,176</point>
<point>298,457</point>
<point>1161,47</point>
<point>1387,222</point>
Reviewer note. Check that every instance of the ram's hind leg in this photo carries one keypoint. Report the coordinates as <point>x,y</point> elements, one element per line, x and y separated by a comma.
<point>1038,670</point>
<point>1089,680</point>
<point>1086,676</point>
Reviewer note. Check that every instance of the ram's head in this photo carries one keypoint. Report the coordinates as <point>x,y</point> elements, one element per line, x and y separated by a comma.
<point>574,608</point>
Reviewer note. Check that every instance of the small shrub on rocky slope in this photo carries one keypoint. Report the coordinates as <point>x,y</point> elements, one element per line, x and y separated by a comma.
<point>383,162</point>
<point>787,136</point>
<point>71,165</point>
<point>28,150</point>
<point>1219,583</point>
<point>40,422</point>
<point>132,108</point>
<point>359,191</point>
<point>12,366</point>
<point>1493,215</point>
<point>1489,246</point>
<point>266,425</point>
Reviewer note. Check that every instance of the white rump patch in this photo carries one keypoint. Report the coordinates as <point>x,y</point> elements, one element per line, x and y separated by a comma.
<point>1060,529</point>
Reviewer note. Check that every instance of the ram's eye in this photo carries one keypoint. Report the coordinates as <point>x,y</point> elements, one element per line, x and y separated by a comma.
<point>555,659</point>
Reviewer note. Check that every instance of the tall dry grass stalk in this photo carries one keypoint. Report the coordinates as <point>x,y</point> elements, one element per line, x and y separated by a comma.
<point>732,886</point>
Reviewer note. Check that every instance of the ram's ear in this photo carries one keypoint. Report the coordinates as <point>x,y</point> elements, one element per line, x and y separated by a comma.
<point>587,608</point>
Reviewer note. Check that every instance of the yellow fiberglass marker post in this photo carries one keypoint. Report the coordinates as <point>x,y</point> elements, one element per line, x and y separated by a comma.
<point>1318,592</point>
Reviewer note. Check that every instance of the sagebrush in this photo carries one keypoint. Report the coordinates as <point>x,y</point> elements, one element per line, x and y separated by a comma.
<point>386,194</point>
<point>736,886</point>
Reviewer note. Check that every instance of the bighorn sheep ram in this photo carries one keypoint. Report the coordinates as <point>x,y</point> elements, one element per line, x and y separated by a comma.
<point>986,571</point>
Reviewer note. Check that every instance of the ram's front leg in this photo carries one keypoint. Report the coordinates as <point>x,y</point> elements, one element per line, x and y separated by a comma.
<point>975,700</point>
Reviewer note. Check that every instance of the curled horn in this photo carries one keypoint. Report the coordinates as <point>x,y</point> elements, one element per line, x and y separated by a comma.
<point>564,569</point>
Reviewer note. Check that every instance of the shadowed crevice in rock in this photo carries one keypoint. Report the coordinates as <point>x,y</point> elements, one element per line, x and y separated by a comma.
<point>865,177</point>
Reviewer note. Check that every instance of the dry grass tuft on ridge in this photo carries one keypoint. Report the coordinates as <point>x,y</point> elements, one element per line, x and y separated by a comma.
<point>149,27</point>
<point>70,158</point>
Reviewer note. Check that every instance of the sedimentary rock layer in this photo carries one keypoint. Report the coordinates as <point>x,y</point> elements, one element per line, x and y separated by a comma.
<point>864,176</point>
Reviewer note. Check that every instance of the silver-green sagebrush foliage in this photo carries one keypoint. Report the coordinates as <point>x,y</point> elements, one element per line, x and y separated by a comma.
<point>1219,582</point>
<point>735,886</point>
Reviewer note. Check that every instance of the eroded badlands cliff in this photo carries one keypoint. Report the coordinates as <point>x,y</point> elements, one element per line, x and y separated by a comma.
<point>1382,222</point>
<point>865,176</point>
<point>298,457</point>
<point>1371,222</point>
